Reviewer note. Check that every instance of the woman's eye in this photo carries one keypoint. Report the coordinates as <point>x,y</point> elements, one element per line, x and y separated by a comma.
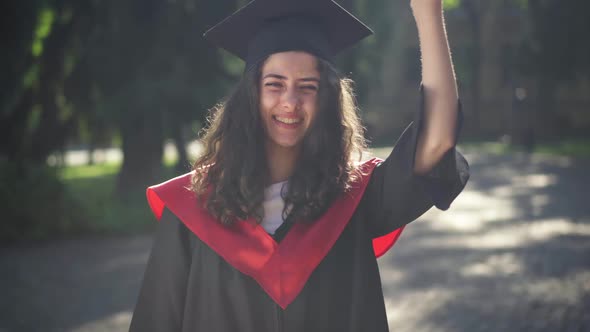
<point>310,87</point>
<point>273,84</point>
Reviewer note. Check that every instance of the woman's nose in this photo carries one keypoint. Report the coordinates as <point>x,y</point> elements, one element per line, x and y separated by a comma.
<point>291,100</point>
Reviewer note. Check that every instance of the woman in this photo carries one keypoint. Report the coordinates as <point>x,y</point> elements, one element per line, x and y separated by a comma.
<point>278,227</point>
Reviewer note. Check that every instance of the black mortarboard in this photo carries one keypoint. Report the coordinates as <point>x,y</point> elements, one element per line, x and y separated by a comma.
<point>264,27</point>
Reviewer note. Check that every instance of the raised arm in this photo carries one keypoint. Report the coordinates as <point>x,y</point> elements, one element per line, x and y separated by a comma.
<point>440,89</point>
<point>423,168</point>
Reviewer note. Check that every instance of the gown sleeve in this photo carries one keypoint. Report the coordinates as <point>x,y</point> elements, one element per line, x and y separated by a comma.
<point>160,304</point>
<point>396,195</point>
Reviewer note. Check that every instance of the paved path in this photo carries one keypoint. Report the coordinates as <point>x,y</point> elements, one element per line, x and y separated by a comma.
<point>512,254</point>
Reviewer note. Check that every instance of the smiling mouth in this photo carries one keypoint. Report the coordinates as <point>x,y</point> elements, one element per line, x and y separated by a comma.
<point>287,120</point>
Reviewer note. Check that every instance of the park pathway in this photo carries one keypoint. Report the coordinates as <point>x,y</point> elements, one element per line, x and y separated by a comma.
<point>511,254</point>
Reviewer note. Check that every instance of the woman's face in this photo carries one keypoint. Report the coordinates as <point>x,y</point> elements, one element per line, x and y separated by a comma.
<point>289,87</point>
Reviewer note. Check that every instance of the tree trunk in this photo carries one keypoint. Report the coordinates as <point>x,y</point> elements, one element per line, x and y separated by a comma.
<point>13,126</point>
<point>543,118</point>
<point>53,129</point>
<point>142,150</point>
<point>183,164</point>
<point>475,21</point>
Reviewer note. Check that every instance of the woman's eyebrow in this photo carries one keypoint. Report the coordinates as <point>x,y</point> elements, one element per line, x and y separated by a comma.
<point>281,77</point>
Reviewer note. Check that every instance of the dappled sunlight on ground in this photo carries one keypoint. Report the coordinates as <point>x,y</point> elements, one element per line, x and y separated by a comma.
<point>507,236</point>
<point>82,285</point>
<point>511,254</point>
<point>502,264</point>
<point>116,322</point>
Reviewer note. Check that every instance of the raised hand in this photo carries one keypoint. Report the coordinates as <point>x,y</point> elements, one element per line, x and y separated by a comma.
<point>426,8</point>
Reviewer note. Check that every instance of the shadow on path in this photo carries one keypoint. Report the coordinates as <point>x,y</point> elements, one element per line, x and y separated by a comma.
<point>511,254</point>
<point>78,285</point>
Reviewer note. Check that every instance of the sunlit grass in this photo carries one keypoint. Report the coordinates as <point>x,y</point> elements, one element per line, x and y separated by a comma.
<point>488,147</point>
<point>572,148</point>
<point>92,188</point>
<point>89,171</point>
<point>576,148</point>
<point>451,4</point>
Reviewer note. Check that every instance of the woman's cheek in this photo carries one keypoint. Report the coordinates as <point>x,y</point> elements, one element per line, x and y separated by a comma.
<point>268,101</point>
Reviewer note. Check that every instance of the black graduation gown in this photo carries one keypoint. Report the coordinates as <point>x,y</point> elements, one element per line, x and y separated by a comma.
<point>192,284</point>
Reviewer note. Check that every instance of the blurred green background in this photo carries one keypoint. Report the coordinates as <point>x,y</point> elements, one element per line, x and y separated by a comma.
<point>100,99</point>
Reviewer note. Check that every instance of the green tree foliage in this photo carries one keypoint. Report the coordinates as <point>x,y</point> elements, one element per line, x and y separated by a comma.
<point>36,117</point>
<point>558,47</point>
<point>139,68</point>
<point>90,69</point>
<point>155,73</point>
<point>556,50</point>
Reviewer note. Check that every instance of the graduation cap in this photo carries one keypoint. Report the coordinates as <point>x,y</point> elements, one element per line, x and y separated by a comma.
<point>263,27</point>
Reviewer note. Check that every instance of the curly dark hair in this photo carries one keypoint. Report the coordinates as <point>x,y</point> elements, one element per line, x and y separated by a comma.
<point>231,174</point>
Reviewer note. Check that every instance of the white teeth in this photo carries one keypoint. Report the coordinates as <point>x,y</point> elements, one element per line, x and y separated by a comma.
<point>287,120</point>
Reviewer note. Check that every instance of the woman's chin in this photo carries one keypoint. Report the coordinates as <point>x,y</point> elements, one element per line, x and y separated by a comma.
<point>286,144</point>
